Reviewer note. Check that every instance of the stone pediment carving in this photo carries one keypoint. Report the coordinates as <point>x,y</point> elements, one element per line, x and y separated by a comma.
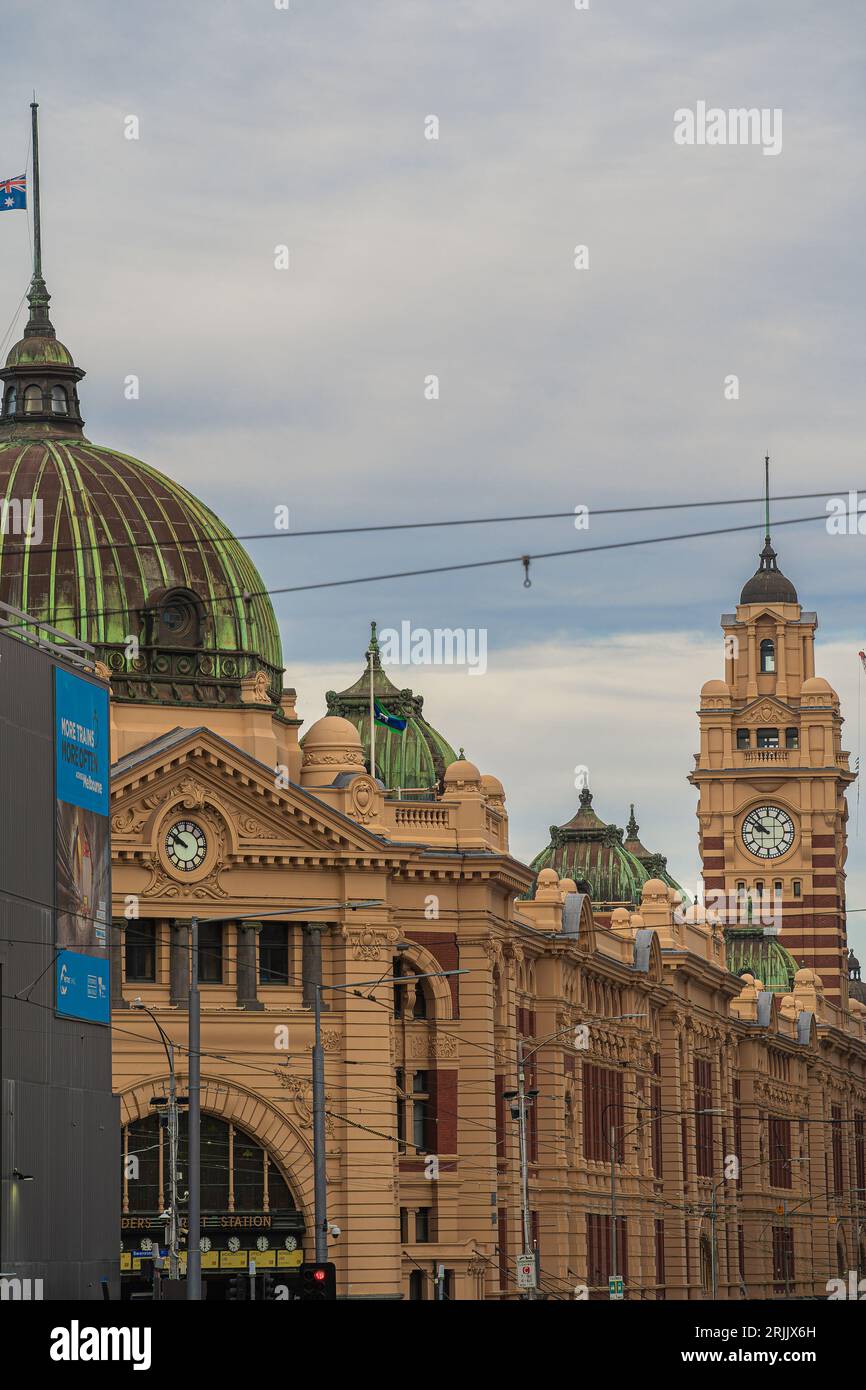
<point>767,710</point>
<point>204,776</point>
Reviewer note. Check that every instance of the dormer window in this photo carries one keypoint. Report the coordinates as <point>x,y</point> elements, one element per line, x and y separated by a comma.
<point>33,400</point>
<point>768,656</point>
<point>59,401</point>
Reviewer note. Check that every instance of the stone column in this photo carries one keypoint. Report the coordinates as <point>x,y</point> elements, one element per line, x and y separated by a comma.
<point>247,977</point>
<point>118,939</point>
<point>781,667</point>
<point>752,678</point>
<point>179,963</point>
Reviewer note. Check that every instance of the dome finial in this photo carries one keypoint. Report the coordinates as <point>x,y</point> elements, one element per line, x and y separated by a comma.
<point>768,584</point>
<point>632,826</point>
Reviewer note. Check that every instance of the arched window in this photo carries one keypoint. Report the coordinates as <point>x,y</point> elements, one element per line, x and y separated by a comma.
<point>59,401</point>
<point>33,400</point>
<point>768,655</point>
<point>11,401</point>
<point>706,1264</point>
<point>237,1173</point>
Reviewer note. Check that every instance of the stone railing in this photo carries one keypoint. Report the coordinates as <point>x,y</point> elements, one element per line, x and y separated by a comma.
<point>413,816</point>
<point>765,755</point>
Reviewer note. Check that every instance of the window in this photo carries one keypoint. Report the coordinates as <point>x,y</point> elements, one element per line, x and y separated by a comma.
<point>410,999</point>
<point>140,952</point>
<point>420,1097</point>
<point>274,954</point>
<point>423,1225</point>
<point>11,401</point>
<point>836,1133</point>
<point>743,738</point>
<point>768,738</point>
<point>783,1258</point>
<point>59,401</point>
<point>768,655</point>
<point>703,1123</point>
<point>860,1155</point>
<point>257,1184</point>
<point>598,1252</point>
<point>656,1104</point>
<point>33,400</point>
<point>660,1257</point>
<point>792,738</point>
<point>798,888</point>
<point>780,1151</point>
<point>777,888</point>
<point>602,1112</point>
<point>404,1225</point>
<point>417,1286</point>
<point>179,619</point>
<point>400,1084</point>
<point>210,953</point>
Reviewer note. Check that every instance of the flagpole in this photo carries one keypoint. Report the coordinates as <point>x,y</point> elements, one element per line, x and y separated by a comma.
<point>37,220</point>
<point>372,718</point>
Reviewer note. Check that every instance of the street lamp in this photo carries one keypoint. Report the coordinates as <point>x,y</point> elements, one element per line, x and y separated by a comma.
<point>173,1259</point>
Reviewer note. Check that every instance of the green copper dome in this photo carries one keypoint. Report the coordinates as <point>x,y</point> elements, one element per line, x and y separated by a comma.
<point>414,758</point>
<point>760,953</point>
<point>115,553</point>
<point>593,854</point>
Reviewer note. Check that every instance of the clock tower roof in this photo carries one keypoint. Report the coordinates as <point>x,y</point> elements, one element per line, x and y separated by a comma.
<point>768,584</point>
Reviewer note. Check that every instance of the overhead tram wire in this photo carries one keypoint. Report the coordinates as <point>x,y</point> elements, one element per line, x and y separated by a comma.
<point>274,534</point>
<point>245,595</point>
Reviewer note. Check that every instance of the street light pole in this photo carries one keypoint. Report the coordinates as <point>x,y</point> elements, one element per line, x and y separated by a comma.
<point>193,1239</point>
<point>173,1225</point>
<point>319,1178</point>
<point>524,1160</point>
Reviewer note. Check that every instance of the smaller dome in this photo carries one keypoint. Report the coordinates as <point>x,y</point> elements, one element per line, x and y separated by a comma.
<point>39,351</point>
<point>816,685</point>
<point>461,771</point>
<point>714,688</point>
<point>331,748</point>
<point>332,730</point>
<point>567,885</point>
<point>654,888</point>
<point>491,786</point>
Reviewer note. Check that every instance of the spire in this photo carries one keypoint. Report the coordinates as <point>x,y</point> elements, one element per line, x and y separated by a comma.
<point>39,324</point>
<point>768,584</point>
<point>632,828</point>
<point>372,651</point>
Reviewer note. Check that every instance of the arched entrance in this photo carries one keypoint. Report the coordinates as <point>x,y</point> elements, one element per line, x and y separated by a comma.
<point>250,1219</point>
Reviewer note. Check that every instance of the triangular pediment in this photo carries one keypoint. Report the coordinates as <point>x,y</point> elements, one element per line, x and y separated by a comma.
<point>767,709</point>
<point>194,774</point>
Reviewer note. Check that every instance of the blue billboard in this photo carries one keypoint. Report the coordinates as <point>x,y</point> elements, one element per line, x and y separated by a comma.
<point>83,847</point>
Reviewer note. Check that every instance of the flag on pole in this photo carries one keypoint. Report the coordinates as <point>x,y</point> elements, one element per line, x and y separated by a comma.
<point>13,193</point>
<point>389,721</point>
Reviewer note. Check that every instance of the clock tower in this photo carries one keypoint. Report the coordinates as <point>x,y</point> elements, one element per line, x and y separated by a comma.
<point>771,778</point>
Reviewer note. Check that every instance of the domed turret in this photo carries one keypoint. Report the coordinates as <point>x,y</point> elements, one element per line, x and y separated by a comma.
<point>115,553</point>
<point>413,757</point>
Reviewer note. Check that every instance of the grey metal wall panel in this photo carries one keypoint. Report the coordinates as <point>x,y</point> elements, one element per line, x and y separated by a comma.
<point>60,1122</point>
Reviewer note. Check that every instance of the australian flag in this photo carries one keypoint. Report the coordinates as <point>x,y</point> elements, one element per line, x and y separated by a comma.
<point>389,721</point>
<point>13,193</point>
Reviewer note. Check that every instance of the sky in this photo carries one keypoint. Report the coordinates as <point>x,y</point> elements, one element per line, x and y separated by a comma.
<point>409,258</point>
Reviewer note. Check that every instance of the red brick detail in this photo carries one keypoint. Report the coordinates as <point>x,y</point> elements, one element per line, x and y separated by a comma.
<point>446,951</point>
<point>713,842</point>
<point>443,1108</point>
<point>823,841</point>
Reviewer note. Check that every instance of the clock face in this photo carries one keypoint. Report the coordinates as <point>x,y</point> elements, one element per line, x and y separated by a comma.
<point>262,1242</point>
<point>204,1244</point>
<point>186,845</point>
<point>234,1243</point>
<point>768,832</point>
<point>290,1243</point>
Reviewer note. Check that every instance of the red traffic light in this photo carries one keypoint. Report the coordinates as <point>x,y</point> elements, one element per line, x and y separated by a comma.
<point>319,1276</point>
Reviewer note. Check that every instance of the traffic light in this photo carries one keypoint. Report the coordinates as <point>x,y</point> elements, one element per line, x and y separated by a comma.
<point>237,1290</point>
<point>318,1282</point>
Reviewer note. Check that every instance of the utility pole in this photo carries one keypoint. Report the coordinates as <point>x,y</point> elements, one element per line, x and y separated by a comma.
<point>612,1138</point>
<point>524,1161</point>
<point>320,1189</point>
<point>172,1159</point>
<point>193,1238</point>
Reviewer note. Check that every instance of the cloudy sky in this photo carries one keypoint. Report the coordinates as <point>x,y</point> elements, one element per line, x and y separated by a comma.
<point>411,257</point>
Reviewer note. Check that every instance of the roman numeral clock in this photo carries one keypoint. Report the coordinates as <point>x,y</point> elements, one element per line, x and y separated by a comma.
<point>768,832</point>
